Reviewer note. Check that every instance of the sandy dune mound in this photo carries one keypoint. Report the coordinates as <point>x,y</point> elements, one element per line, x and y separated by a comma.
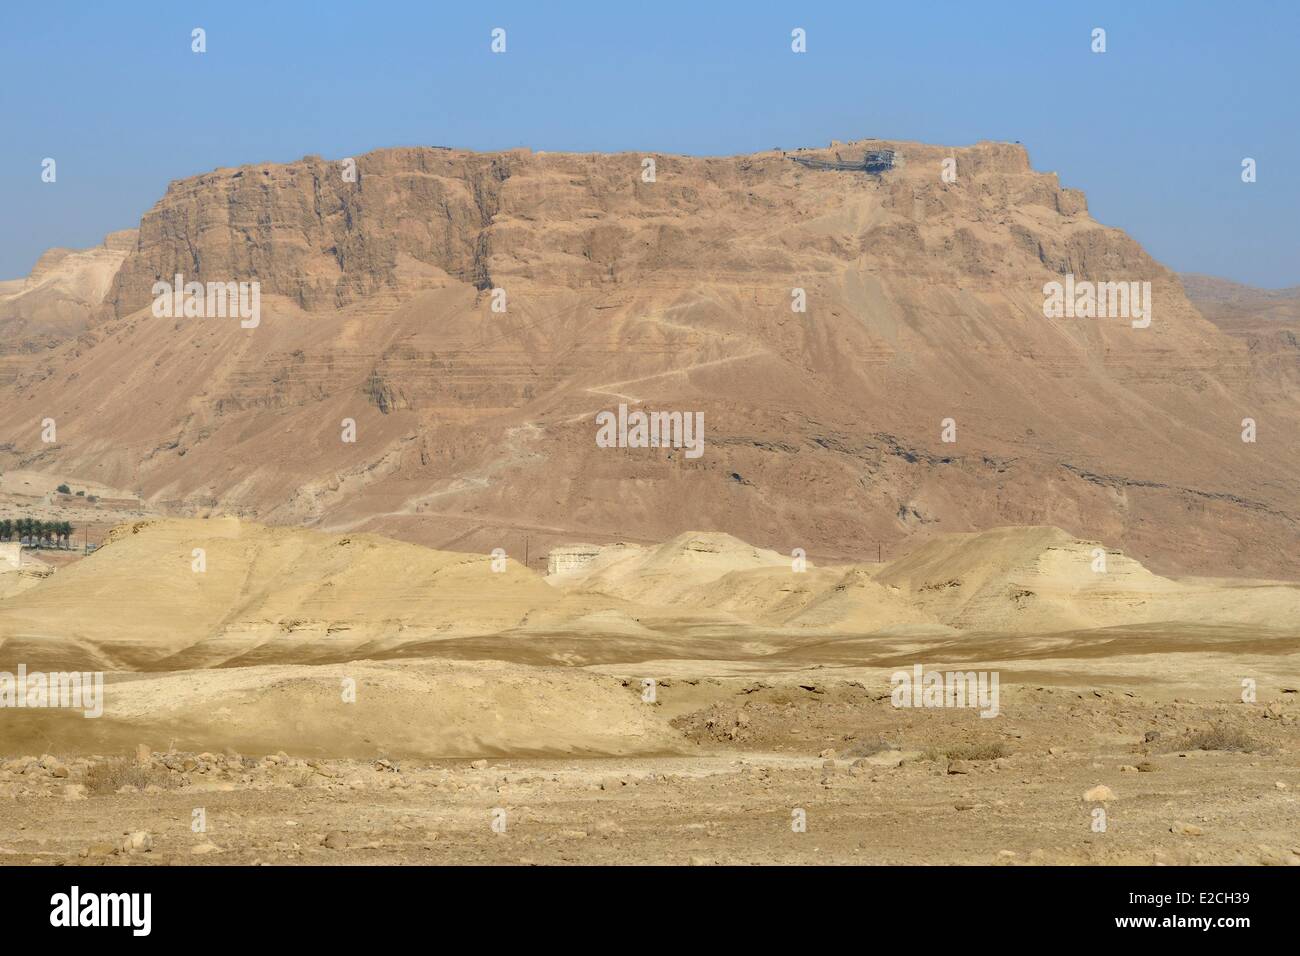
<point>1019,580</point>
<point>264,595</point>
<point>841,599</point>
<point>17,580</point>
<point>182,594</point>
<point>773,595</point>
<point>717,575</point>
<point>408,708</point>
<point>666,574</point>
<point>858,603</point>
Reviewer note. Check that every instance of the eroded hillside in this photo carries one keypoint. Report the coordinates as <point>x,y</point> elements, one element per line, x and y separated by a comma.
<point>475,429</point>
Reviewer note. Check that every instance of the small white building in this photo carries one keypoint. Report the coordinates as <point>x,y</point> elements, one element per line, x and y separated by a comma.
<point>569,558</point>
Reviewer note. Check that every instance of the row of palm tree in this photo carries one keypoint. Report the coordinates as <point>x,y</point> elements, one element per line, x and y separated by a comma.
<point>37,533</point>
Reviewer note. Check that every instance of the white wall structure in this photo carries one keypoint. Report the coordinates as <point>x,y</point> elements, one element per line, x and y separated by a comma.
<point>570,557</point>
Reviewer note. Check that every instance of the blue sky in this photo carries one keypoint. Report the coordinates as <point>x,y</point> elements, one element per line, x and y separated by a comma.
<point>1154,130</point>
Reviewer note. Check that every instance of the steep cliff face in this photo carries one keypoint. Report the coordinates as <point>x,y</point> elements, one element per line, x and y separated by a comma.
<point>308,234</point>
<point>824,428</point>
<point>312,234</point>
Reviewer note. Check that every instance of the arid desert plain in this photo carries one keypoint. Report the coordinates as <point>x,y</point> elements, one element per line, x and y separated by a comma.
<point>325,698</point>
<point>373,571</point>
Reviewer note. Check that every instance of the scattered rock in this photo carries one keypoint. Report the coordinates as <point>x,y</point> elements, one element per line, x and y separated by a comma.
<point>888,758</point>
<point>1276,856</point>
<point>1099,794</point>
<point>139,841</point>
<point>335,840</point>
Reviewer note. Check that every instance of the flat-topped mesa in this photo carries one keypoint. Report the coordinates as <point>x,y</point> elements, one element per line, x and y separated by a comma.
<point>926,385</point>
<point>328,233</point>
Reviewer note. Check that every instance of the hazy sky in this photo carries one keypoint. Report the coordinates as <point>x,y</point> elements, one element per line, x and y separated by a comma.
<point>1154,130</point>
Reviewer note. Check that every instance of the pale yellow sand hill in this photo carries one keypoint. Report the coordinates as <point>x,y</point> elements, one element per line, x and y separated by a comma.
<point>1024,580</point>
<point>264,594</point>
<point>186,594</point>
<point>398,708</point>
<point>664,574</point>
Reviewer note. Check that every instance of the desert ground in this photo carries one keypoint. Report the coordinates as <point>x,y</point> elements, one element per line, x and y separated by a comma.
<point>362,587</point>
<point>522,728</point>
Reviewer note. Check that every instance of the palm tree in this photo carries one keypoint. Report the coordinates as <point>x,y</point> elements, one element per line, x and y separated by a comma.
<point>65,529</point>
<point>6,528</point>
<point>24,528</point>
